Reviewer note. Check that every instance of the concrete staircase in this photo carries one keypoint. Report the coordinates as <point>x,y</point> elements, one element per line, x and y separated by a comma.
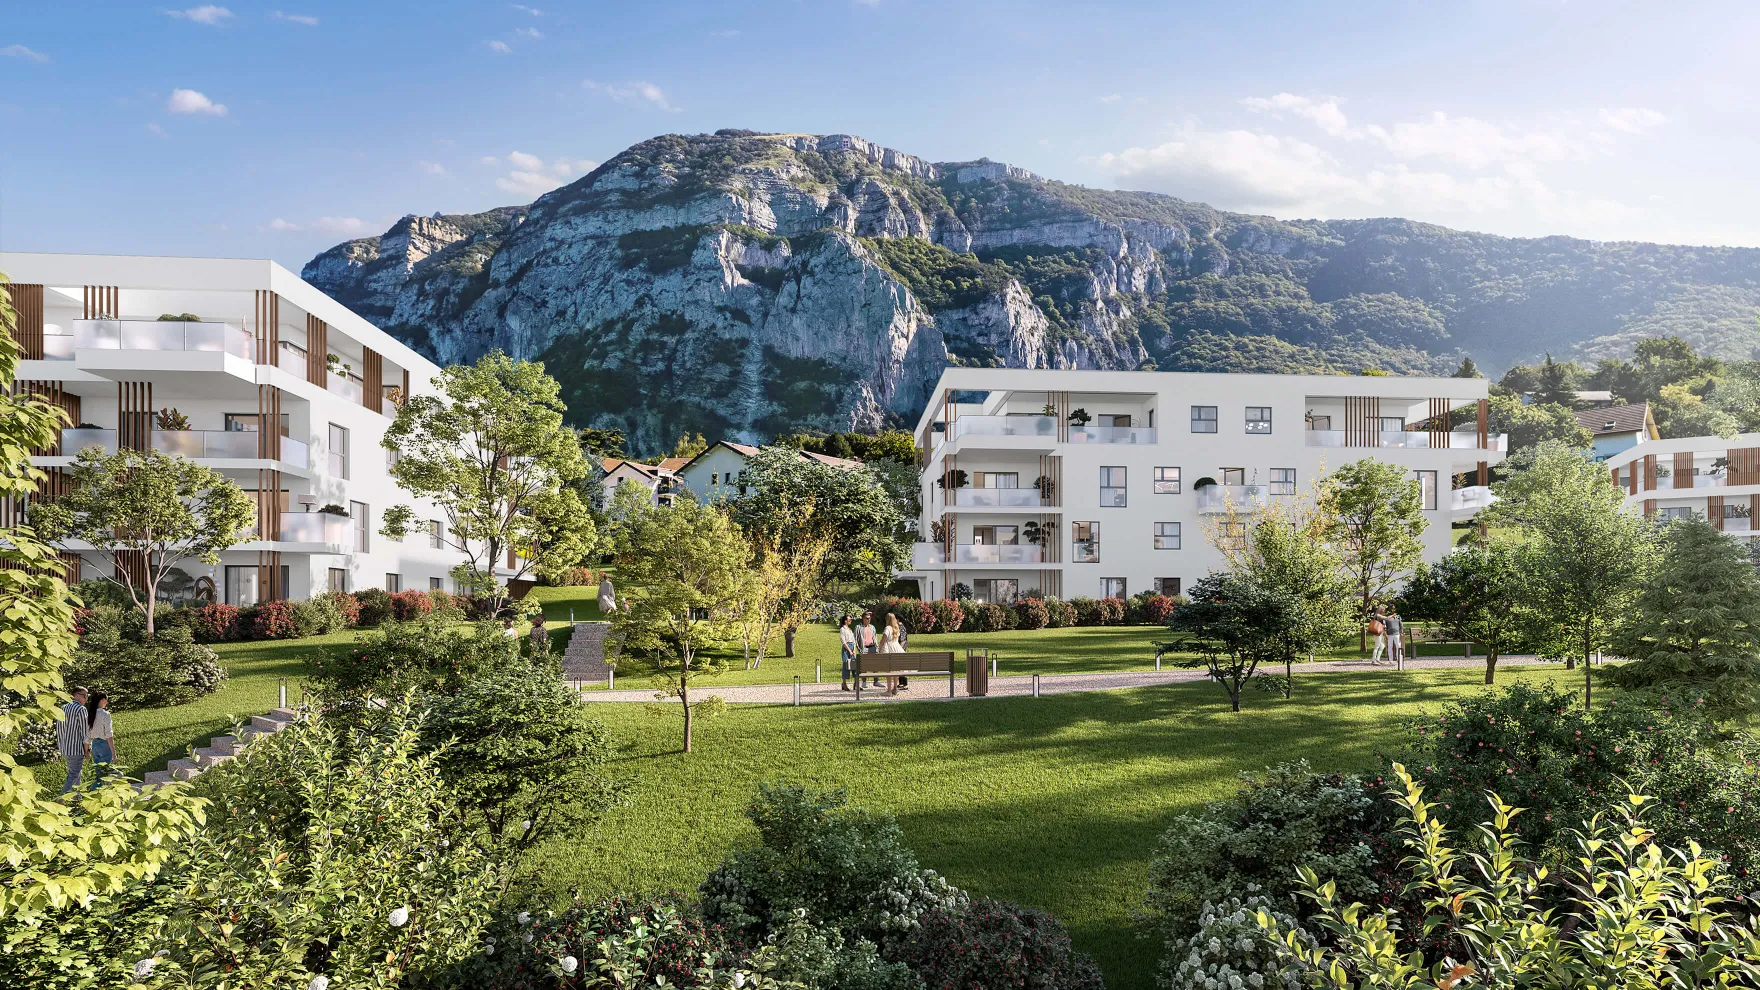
<point>221,748</point>
<point>584,660</point>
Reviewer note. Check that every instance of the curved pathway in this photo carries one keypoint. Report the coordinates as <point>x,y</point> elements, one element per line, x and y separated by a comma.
<point>934,688</point>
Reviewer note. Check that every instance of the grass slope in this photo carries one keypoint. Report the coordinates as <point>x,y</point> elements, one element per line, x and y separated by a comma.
<point>1054,802</point>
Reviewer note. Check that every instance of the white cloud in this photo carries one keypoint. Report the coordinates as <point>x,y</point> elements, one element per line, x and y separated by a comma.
<point>1250,169</point>
<point>632,92</point>
<point>20,51</point>
<point>191,101</point>
<point>535,12</point>
<point>306,19</point>
<point>280,225</point>
<point>489,160</point>
<point>206,14</point>
<point>156,130</point>
<point>1479,144</point>
<point>529,175</point>
<point>499,47</point>
<point>1324,114</point>
<point>349,226</point>
<point>1631,120</point>
<point>433,168</point>
<point>532,33</point>
<point>1111,98</point>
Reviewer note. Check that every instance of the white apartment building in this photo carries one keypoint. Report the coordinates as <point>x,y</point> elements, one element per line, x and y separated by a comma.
<point>1108,483</point>
<point>1717,478</point>
<point>284,391</point>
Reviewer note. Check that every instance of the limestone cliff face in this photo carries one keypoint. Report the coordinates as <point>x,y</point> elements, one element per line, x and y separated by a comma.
<point>743,284</point>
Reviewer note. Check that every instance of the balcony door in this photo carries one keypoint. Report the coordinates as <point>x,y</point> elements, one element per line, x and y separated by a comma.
<point>996,536</point>
<point>248,423</point>
<point>996,479</point>
<point>1234,476</point>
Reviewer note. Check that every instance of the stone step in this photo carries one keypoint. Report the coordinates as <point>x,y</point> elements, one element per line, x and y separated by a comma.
<point>207,756</point>
<point>284,714</point>
<point>156,777</point>
<point>268,723</point>
<point>183,769</point>
<point>229,745</point>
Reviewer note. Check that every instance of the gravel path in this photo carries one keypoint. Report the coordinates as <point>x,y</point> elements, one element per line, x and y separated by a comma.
<point>933,688</point>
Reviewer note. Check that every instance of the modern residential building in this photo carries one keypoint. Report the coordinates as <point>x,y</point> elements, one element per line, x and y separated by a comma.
<point>1617,428</point>
<point>242,366</point>
<point>1102,483</point>
<point>1714,477</point>
<point>719,471</point>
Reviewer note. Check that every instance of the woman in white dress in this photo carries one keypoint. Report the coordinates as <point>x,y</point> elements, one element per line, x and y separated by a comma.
<point>890,642</point>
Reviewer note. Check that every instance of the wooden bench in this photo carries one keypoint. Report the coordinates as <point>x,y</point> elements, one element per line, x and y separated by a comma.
<point>1415,639</point>
<point>896,664</point>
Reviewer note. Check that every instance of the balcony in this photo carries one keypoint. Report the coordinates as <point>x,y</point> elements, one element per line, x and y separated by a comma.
<point>1738,524</point>
<point>1239,498</point>
<point>237,444</point>
<point>1003,426</point>
<point>927,555</point>
<point>1406,439</point>
<point>347,386</point>
<point>317,527</point>
<point>1710,480</point>
<point>57,344</point>
<point>74,441</point>
<point>994,553</point>
<point>1112,434</point>
<point>996,498</point>
<point>161,335</point>
<point>291,358</point>
<point>1464,503</point>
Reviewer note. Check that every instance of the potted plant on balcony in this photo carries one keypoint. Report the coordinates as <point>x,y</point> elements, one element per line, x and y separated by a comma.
<point>938,531</point>
<point>1047,488</point>
<point>957,478</point>
<point>179,318</point>
<point>170,419</point>
<point>332,509</point>
<point>1039,534</point>
<point>337,366</point>
<point>1080,417</point>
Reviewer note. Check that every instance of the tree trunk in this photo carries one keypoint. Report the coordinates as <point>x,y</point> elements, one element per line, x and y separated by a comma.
<point>1234,698</point>
<point>150,616</point>
<point>787,641</point>
<point>1588,681</point>
<point>684,695</point>
<point>1491,667</point>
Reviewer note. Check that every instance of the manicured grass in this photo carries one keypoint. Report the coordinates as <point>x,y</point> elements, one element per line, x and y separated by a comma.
<point>557,602</point>
<point>1054,802</point>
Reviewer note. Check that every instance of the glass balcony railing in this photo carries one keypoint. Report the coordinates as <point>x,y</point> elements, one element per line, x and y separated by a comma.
<point>1471,498</point>
<point>74,441</point>
<point>1112,434</point>
<point>161,335</point>
<point>296,452</point>
<point>1737,524</point>
<point>1005,426</point>
<point>206,443</point>
<point>317,527</point>
<point>993,553</point>
<point>347,386</point>
<point>926,555</point>
<point>992,498</point>
<point>1241,498</point>
<point>1710,480</point>
<point>57,344</point>
<point>1406,439</point>
<point>291,358</point>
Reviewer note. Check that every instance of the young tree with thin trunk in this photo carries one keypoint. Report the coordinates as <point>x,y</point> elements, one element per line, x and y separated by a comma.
<point>787,581</point>
<point>491,453</point>
<point>1477,593</point>
<point>1234,623</point>
<point>1374,514</point>
<point>145,513</point>
<point>685,574</point>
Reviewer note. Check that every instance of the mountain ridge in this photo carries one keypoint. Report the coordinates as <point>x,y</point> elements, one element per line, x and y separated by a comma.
<point>746,284</point>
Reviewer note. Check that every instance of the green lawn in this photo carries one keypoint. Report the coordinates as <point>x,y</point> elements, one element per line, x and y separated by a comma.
<point>1054,801</point>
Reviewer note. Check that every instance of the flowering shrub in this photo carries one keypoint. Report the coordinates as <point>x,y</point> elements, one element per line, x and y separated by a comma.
<point>1059,614</point>
<point>1087,610</point>
<point>614,941</point>
<point>1109,611</point>
<point>408,606</point>
<point>988,617</point>
<point>1230,950</point>
<point>995,944</point>
<point>1030,613</point>
<point>948,615</point>
<point>375,606</point>
<point>278,619</point>
<point>214,623</point>
<point>575,577</point>
<point>1151,609</point>
<point>347,606</point>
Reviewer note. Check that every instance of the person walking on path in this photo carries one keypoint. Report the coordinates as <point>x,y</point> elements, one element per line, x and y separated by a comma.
<point>869,640</point>
<point>71,737</point>
<point>607,596</point>
<point>889,643</point>
<point>1378,630</point>
<point>540,635</point>
<point>847,640</point>
<point>101,735</point>
<point>1396,628</point>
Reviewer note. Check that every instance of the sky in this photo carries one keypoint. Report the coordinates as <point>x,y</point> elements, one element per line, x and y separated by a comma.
<point>276,130</point>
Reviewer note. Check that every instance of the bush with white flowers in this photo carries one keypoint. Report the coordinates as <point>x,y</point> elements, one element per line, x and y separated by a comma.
<point>1230,951</point>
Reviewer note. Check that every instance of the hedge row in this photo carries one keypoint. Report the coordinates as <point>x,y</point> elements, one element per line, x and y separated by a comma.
<point>331,612</point>
<point>948,615</point>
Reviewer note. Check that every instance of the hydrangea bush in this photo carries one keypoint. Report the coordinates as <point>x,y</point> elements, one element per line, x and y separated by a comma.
<point>1232,951</point>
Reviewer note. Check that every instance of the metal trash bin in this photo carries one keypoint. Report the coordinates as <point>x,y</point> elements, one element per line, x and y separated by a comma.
<point>978,672</point>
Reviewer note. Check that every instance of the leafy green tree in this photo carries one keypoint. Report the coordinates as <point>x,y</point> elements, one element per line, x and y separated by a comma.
<point>1557,384</point>
<point>689,446</point>
<point>1467,369</point>
<point>1695,623</point>
<point>56,854</point>
<point>491,452</point>
<point>1374,514</point>
<point>146,513</point>
<point>892,445</point>
<point>1656,362</point>
<point>790,496</point>
<point>597,445</point>
<point>685,575</point>
<point>1477,594</point>
<point>1529,424</point>
<point>1584,553</point>
<point>1234,623</point>
<point>1681,411</point>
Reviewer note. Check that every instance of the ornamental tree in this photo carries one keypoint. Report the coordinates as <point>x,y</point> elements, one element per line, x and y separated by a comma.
<point>1477,594</point>
<point>491,453</point>
<point>1233,623</point>
<point>1374,515</point>
<point>146,513</point>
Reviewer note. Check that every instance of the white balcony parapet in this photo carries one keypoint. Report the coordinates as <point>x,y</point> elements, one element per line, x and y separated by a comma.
<point>1112,434</point>
<point>927,555</point>
<point>1471,499</point>
<point>983,498</point>
<point>1240,498</point>
<point>1738,524</point>
<point>1004,426</point>
<point>347,386</point>
<point>317,527</point>
<point>73,441</point>
<point>57,344</point>
<point>1407,439</point>
<point>161,335</point>
<point>1710,480</point>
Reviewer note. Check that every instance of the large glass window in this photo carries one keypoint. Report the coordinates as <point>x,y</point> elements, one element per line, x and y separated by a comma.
<point>1427,486</point>
<point>1283,481</point>
<point>1112,588</point>
<point>1085,542</point>
<point>1203,419</point>
<point>394,583</point>
<point>363,526</point>
<point>1112,486</point>
<point>436,534</point>
<point>1319,422</point>
<point>339,451</point>
<point>1258,419</point>
<point>996,591</point>
<point>1233,536</point>
<point>1234,476</point>
<point>436,584</point>
<point>1167,536</point>
<point>338,579</point>
<point>1167,586</point>
<point>1167,481</point>
<point>1669,513</point>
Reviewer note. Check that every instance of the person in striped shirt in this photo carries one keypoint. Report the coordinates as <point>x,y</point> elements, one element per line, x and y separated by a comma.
<point>71,738</point>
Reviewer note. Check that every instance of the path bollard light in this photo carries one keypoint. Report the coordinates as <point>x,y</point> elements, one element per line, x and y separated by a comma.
<point>1157,663</point>
<point>283,693</point>
<point>817,676</point>
<point>797,690</point>
<point>993,659</point>
<point>571,615</point>
<point>1035,685</point>
<point>611,679</point>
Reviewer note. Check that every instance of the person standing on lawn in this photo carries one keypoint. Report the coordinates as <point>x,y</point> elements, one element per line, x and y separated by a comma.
<point>1396,628</point>
<point>101,735</point>
<point>71,737</point>
<point>869,639</point>
<point>540,635</point>
<point>607,595</point>
<point>1378,630</point>
<point>847,640</point>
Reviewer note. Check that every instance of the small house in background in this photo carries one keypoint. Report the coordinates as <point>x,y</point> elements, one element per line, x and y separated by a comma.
<point>719,471</point>
<point>1617,428</point>
<point>1595,398</point>
<point>660,480</point>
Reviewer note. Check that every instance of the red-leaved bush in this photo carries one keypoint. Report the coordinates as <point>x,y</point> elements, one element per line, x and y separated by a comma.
<point>215,623</point>
<point>1110,611</point>
<point>1031,613</point>
<point>1157,610</point>
<point>948,615</point>
<point>347,604</point>
<point>411,605</point>
<point>274,620</point>
<point>992,945</point>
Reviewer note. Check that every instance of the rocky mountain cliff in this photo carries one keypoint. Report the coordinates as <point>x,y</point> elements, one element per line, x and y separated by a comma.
<point>743,284</point>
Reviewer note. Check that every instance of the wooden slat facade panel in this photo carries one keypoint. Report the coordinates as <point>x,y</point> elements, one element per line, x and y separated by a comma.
<point>269,422</point>
<point>1362,421</point>
<point>27,304</point>
<point>1714,510</point>
<point>1649,508</point>
<point>134,415</point>
<point>1744,466</point>
<point>56,394</point>
<point>1484,424</point>
<point>372,380</point>
<point>1683,470</point>
<point>268,328</point>
<point>317,351</point>
<point>102,302</point>
<point>1438,423</point>
<point>1649,472</point>
<point>269,583</point>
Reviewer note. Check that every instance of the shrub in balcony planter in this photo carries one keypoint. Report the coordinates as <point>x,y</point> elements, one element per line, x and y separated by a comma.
<point>179,318</point>
<point>332,509</point>
<point>1087,610</point>
<point>992,945</point>
<point>170,419</point>
<point>408,606</point>
<point>277,619</point>
<point>1111,611</point>
<point>1080,417</point>
<point>1045,486</point>
<point>375,606</point>
<point>1031,613</point>
<point>214,623</point>
<point>956,478</point>
<point>347,605</point>
<point>949,616</point>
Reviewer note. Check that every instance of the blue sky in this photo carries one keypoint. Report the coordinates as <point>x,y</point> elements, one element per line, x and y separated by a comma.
<point>275,130</point>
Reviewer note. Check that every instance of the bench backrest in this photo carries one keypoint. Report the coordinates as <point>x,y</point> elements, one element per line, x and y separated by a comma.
<point>887,663</point>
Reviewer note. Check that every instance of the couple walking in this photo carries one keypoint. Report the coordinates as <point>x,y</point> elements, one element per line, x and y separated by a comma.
<point>85,731</point>
<point>1389,632</point>
<point>864,639</point>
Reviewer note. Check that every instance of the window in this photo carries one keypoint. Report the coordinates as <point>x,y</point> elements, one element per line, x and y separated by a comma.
<point>390,458</point>
<point>1167,536</point>
<point>1669,513</point>
<point>363,526</point>
<point>996,591</point>
<point>1085,538</point>
<point>1234,476</point>
<point>244,584</point>
<point>1393,424</point>
<point>1427,487</point>
<point>394,583</point>
<point>1258,419</point>
<point>338,579</point>
<point>1319,422</point>
<point>1283,481</point>
<point>1233,536</point>
<point>339,451</point>
<point>1112,588</point>
<point>436,534</point>
<point>1732,510</point>
<point>1112,485</point>
<point>436,584</point>
<point>1167,586</point>
<point>996,479</point>
<point>1203,419</point>
<point>1005,536</point>
<point>1118,421</point>
<point>1167,481</point>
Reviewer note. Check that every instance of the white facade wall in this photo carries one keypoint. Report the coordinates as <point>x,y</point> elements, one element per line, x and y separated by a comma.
<point>714,474</point>
<point>208,385</point>
<point>1717,478</point>
<point>999,433</point>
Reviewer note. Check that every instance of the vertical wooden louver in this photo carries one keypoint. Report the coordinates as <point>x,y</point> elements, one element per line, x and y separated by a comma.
<point>1744,466</point>
<point>406,384</point>
<point>1649,508</point>
<point>102,302</point>
<point>56,394</point>
<point>317,351</point>
<point>268,422</point>
<point>134,415</point>
<point>372,380</point>
<point>131,566</point>
<point>1649,472</point>
<point>1438,423</point>
<point>1060,410</point>
<point>1362,421</point>
<point>1683,469</point>
<point>1484,424</point>
<point>268,329</point>
<point>1714,510</point>
<point>268,505</point>
<point>27,302</point>
<point>269,576</point>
